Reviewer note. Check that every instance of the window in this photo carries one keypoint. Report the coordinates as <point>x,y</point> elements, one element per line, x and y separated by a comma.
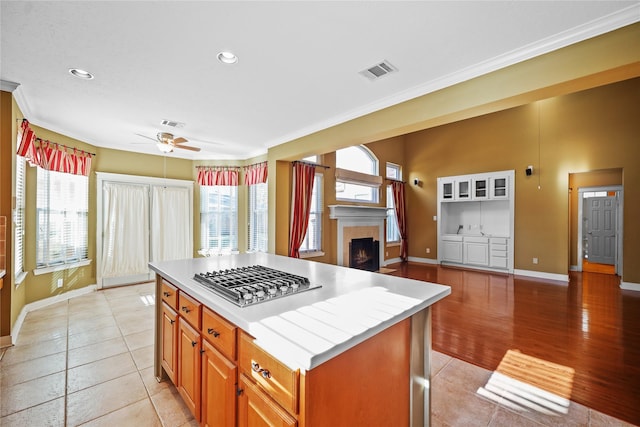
<point>258,226</point>
<point>313,239</point>
<point>219,218</point>
<point>393,233</point>
<point>62,216</point>
<point>357,175</point>
<point>19,216</point>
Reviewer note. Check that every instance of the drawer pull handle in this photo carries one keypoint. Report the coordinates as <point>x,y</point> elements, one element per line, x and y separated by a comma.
<point>194,343</point>
<point>166,294</point>
<point>264,372</point>
<point>172,321</point>
<point>213,332</point>
<point>186,309</point>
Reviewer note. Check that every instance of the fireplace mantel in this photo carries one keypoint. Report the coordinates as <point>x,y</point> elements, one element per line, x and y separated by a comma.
<point>352,211</point>
<point>352,217</point>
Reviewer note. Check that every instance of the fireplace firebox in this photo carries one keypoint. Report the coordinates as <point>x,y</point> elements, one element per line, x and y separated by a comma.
<point>364,254</point>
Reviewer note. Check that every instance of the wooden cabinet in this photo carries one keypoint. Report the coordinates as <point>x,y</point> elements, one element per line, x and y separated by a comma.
<point>256,408</point>
<point>169,348</point>
<point>169,294</point>
<point>189,366</point>
<point>219,377</point>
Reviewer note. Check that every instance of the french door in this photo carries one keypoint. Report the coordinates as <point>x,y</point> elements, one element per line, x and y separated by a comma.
<point>140,219</point>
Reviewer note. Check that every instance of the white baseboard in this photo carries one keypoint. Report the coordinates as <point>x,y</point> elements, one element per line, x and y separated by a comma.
<point>542,275</point>
<point>44,303</point>
<point>423,260</point>
<point>629,286</point>
<point>573,268</point>
<point>391,261</point>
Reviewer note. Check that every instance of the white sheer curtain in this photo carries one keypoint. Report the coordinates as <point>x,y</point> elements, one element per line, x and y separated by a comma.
<point>170,231</point>
<point>125,244</point>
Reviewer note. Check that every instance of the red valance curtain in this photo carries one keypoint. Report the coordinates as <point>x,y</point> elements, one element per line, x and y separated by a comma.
<point>303,175</point>
<point>49,155</point>
<point>210,176</point>
<point>255,174</point>
<point>397,188</point>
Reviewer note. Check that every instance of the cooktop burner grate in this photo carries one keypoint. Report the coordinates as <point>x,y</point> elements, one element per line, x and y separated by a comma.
<point>253,284</point>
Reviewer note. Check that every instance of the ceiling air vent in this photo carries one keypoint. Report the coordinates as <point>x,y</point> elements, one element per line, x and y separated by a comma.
<point>381,69</point>
<point>172,124</point>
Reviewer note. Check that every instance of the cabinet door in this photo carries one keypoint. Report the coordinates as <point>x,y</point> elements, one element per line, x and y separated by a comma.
<point>219,378</point>
<point>480,189</point>
<point>476,253</point>
<point>189,366</point>
<point>451,251</point>
<point>447,190</point>
<point>499,187</point>
<point>463,190</point>
<point>169,341</point>
<point>256,408</point>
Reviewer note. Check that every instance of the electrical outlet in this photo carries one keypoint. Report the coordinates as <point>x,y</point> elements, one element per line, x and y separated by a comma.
<point>387,253</point>
<point>59,283</point>
<point>535,260</point>
<point>428,250</point>
<point>435,217</point>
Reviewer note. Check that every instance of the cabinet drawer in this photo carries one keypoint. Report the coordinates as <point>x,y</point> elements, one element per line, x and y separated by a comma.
<point>498,241</point>
<point>169,294</point>
<point>498,262</point>
<point>189,309</point>
<point>276,379</point>
<point>498,247</point>
<point>256,408</point>
<point>498,254</point>
<point>219,332</point>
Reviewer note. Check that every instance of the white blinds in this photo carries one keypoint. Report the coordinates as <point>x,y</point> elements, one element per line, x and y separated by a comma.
<point>219,218</point>
<point>258,226</point>
<point>62,218</point>
<point>19,216</point>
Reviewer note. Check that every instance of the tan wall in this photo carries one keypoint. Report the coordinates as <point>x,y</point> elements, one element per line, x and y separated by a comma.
<point>586,131</point>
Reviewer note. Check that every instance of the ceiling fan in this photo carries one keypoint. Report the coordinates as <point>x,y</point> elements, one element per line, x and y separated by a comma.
<point>166,142</point>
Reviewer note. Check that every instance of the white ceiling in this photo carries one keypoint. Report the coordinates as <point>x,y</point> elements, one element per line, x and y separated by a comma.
<point>298,68</point>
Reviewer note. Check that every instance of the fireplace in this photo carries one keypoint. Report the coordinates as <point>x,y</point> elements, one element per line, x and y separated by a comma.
<point>364,254</point>
<point>358,222</point>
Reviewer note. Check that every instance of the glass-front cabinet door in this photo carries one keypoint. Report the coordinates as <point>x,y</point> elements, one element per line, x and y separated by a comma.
<point>447,190</point>
<point>480,189</point>
<point>463,189</point>
<point>499,187</point>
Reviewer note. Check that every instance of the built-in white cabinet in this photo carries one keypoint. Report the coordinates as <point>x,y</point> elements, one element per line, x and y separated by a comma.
<point>476,220</point>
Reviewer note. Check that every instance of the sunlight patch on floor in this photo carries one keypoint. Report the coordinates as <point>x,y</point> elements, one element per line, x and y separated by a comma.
<point>526,383</point>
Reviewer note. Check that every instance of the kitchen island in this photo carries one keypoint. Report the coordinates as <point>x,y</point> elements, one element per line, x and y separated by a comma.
<point>353,351</point>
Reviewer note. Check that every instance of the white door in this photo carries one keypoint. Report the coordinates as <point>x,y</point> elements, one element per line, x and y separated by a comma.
<point>600,229</point>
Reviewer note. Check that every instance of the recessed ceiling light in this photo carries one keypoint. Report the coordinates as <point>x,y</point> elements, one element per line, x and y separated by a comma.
<point>81,74</point>
<point>227,58</point>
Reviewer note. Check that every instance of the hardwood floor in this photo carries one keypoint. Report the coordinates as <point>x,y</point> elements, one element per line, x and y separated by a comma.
<point>589,325</point>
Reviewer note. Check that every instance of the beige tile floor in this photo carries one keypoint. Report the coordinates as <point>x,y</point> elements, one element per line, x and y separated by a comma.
<point>88,361</point>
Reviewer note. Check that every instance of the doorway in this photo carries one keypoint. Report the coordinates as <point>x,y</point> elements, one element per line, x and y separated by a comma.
<point>600,229</point>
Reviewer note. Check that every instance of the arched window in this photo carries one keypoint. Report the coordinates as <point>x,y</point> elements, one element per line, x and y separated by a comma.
<point>357,176</point>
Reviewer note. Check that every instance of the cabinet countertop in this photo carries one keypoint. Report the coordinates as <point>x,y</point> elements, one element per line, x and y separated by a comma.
<point>353,305</point>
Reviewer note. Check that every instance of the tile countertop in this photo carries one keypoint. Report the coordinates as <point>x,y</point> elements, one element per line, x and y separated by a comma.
<point>307,329</point>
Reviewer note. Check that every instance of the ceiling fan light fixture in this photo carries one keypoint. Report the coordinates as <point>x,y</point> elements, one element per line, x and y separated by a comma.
<point>80,73</point>
<point>227,57</point>
<point>165,148</point>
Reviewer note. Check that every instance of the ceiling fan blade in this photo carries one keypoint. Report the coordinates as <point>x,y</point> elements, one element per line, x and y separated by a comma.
<point>187,147</point>
<point>180,140</point>
<point>148,137</point>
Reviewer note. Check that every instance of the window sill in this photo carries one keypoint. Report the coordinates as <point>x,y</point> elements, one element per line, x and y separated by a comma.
<point>311,254</point>
<point>20,278</point>
<point>45,270</point>
<point>391,244</point>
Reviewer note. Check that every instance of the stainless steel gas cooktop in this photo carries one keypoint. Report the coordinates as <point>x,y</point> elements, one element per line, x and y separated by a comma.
<point>254,284</point>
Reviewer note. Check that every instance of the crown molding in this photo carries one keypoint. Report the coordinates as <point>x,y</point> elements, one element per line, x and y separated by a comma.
<point>7,86</point>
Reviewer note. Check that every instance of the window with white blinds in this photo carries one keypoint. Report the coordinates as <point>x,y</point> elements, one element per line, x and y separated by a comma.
<point>219,218</point>
<point>258,226</point>
<point>19,216</point>
<point>62,217</point>
<point>313,239</point>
